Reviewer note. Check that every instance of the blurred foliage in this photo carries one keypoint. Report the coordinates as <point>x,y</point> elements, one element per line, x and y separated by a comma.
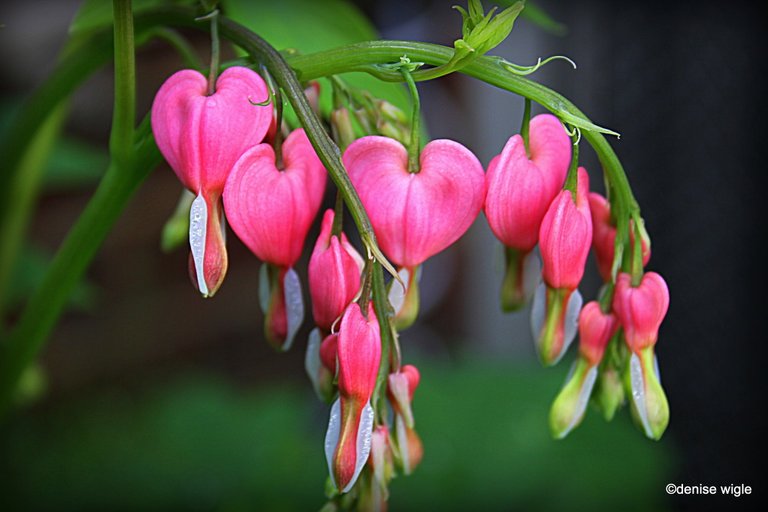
<point>197,443</point>
<point>29,272</point>
<point>315,26</point>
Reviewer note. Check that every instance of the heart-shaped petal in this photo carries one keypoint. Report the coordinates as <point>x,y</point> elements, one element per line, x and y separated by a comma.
<point>202,136</point>
<point>271,210</point>
<point>416,215</point>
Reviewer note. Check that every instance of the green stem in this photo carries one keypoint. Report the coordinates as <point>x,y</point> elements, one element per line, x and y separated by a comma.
<point>525,128</point>
<point>384,315</point>
<point>338,215</point>
<point>413,143</point>
<point>215,52</point>
<point>124,111</point>
<point>572,178</point>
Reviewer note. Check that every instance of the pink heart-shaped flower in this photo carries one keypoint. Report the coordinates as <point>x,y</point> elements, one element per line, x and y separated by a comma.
<point>202,136</point>
<point>416,215</point>
<point>271,209</point>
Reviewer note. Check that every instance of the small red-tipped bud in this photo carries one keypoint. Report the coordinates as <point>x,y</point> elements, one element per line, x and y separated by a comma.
<point>595,331</point>
<point>400,389</point>
<point>328,351</point>
<point>410,449</point>
<point>641,309</point>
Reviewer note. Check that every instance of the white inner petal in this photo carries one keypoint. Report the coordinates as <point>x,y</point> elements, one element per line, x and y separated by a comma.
<point>571,322</point>
<point>656,368</point>
<point>638,392</point>
<point>397,292</point>
<point>531,272</point>
<point>402,443</point>
<point>581,404</point>
<point>332,437</point>
<point>364,434</point>
<point>538,310</point>
<point>294,305</point>
<point>198,223</point>
<point>312,358</point>
<point>264,288</point>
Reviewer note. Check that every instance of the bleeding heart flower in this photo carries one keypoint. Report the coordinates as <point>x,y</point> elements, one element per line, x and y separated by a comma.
<point>348,439</point>
<point>520,189</point>
<point>202,136</point>
<point>416,215</point>
<point>564,240</point>
<point>640,310</point>
<point>604,236</point>
<point>334,274</point>
<point>271,210</point>
<point>565,236</point>
<point>595,331</point>
<point>400,389</point>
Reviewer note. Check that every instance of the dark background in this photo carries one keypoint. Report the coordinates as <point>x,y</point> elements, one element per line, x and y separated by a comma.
<point>683,83</point>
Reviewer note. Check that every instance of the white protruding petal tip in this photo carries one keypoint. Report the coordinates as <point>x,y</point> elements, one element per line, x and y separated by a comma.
<point>332,437</point>
<point>312,358</point>
<point>538,310</point>
<point>638,393</point>
<point>531,273</point>
<point>294,306</point>
<point>364,435</point>
<point>264,288</point>
<point>571,322</point>
<point>198,224</point>
<point>397,292</point>
<point>581,404</point>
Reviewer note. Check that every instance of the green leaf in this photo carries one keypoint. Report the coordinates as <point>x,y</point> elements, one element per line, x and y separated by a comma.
<point>315,26</point>
<point>542,19</point>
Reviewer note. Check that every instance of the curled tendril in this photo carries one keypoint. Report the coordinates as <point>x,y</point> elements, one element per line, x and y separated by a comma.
<point>404,64</point>
<point>573,131</point>
<point>527,70</point>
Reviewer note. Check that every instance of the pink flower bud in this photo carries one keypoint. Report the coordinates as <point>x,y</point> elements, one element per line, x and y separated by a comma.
<point>202,137</point>
<point>401,386</point>
<point>410,449</point>
<point>271,209</point>
<point>348,439</point>
<point>328,352</point>
<point>565,236</point>
<point>604,236</point>
<point>641,309</point>
<point>416,215</point>
<point>334,274</point>
<point>520,189</point>
<point>595,331</point>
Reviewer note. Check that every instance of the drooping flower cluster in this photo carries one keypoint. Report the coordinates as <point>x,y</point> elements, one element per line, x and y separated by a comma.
<point>537,194</point>
<point>419,202</point>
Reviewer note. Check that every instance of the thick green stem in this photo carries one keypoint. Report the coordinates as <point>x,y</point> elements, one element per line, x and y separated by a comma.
<point>413,143</point>
<point>124,112</point>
